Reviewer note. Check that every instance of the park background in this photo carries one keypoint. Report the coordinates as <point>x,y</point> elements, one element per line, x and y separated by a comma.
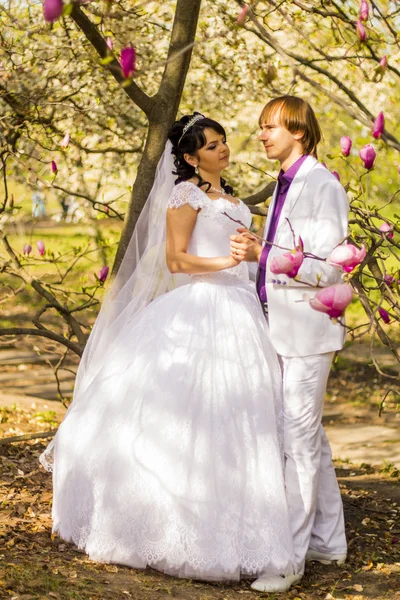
<point>83,122</point>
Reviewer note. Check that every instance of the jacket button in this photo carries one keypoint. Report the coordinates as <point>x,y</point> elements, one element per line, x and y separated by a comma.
<point>273,280</point>
<point>278,281</point>
<point>283,282</point>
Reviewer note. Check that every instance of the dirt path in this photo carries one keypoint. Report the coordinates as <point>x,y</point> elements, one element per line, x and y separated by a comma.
<point>34,565</point>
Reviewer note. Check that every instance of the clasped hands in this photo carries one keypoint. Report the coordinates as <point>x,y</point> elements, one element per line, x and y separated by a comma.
<point>245,246</point>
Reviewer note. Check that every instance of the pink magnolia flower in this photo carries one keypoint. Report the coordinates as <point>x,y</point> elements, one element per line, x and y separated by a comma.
<point>368,155</point>
<point>40,247</point>
<point>383,63</point>
<point>54,166</point>
<point>333,300</point>
<point>364,10</point>
<point>288,263</point>
<point>65,141</point>
<point>398,169</point>
<point>27,249</point>
<point>379,125</point>
<point>52,10</point>
<point>384,315</point>
<point>242,15</point>
<point>336,174</point>
<point>361,31</point>
<point>386,229</point>
<point>128,61</point>
<point>347,256</point>
<point>103,273</point>
<point>345,145</point>
<point>388,279</point>
<point>110,43</point>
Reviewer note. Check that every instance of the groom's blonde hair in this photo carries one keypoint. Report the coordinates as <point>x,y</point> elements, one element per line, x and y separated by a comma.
<point>296,115</point>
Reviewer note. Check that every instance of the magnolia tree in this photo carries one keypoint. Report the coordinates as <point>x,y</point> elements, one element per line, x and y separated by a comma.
<point>90,89</point>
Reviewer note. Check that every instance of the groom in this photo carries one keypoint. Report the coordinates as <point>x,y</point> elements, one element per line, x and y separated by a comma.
<point>309,202</point>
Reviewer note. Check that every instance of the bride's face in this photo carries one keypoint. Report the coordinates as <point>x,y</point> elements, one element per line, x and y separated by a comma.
<point>213,157</point>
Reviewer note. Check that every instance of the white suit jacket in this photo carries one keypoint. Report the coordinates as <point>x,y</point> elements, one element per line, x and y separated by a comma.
<point>317,208</point>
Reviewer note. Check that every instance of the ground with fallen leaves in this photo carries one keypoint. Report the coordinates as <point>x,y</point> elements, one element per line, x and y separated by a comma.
<point>36,565</point>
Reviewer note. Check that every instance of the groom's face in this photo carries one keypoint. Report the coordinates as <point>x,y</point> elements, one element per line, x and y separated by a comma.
<point>278,141</point>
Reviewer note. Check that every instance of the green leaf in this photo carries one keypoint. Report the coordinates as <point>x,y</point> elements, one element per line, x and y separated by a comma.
<point>107,60</point>
<point>67,9</point>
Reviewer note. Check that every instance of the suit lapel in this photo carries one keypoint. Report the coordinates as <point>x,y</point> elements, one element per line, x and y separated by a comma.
<point>294,193</point>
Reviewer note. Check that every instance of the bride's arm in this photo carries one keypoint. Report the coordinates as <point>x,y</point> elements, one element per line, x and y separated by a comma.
<point>180,224</point>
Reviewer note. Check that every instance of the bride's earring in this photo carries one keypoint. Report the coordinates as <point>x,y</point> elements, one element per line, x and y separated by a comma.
<point>196,170</point>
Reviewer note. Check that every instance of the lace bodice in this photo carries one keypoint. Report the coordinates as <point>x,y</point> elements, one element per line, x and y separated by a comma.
<point>210,236</point>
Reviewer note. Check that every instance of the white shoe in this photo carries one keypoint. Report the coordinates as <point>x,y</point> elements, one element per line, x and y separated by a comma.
<point>274,583</point>
<point>325,559</point>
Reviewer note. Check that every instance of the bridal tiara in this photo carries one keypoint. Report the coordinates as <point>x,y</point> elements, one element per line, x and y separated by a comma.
<point>190,124</point>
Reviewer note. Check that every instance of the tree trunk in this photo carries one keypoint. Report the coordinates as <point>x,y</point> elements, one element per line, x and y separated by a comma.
<point>162,114</point>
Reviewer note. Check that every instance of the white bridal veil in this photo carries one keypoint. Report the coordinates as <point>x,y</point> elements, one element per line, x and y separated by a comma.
<point>142,276</point>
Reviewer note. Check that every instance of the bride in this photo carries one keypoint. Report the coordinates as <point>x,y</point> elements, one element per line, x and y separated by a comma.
<point>170,454</point>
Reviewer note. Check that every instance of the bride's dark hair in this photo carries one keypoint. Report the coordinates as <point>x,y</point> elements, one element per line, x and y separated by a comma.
<point>189,143</point>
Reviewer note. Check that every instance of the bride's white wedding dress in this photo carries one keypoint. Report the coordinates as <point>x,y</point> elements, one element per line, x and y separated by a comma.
<point>173,457</point>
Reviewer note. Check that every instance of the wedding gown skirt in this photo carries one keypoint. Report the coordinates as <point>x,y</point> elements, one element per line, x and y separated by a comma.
<point>171,452</point>
<point>173,458</point>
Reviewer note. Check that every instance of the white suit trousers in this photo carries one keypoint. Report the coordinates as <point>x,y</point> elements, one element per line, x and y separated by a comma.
<point>315,505</point>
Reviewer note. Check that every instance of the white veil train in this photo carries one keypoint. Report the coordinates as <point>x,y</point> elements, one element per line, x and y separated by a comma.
<point>142,277</point>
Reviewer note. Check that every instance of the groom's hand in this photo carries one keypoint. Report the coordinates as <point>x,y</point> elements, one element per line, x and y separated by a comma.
<point>245,246</point>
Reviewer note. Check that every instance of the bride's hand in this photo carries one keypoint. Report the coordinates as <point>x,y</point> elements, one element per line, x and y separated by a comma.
<point>231,261</point>
<point>245,246</point>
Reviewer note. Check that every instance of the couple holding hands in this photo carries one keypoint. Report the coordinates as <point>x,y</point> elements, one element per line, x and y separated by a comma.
<point>194,441</point>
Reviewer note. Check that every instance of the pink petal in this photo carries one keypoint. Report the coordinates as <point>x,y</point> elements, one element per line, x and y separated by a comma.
<point>65,141</point>
<point>103,273</point>
<point>364,10</point>
<point>384,315</point>
<point>361,32</point>
<point>41,247</point>
<point>368,155</point>
<point>128,61</point>
<point>52,10</point>
<point>242,15</point>
<point>345,145</point>
<point>379,125</point>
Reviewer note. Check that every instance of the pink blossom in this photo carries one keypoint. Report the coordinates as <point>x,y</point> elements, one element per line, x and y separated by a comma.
<point>398,169</point>
<point>128,61</point>
<point>110,43</point>
<point>333,300</point>
<point>65,141</point>
<point>386,229</point>
<point>361,31</point>
<point>383,63</point>
<point>388,279</point>
<point>102,275</point>
<point>54,166</point>
<point>288,263</point>
<point>345,145</point>
<point>364,10</point>
<point>379,125</point>
<point>384,315</point>
<point>242,15</point>
<point>336,174</point>
<point>27,249</point>
<point>347,256</point>
<point>40,247</point>
<point>368,155</point>
<point>52,10</point>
